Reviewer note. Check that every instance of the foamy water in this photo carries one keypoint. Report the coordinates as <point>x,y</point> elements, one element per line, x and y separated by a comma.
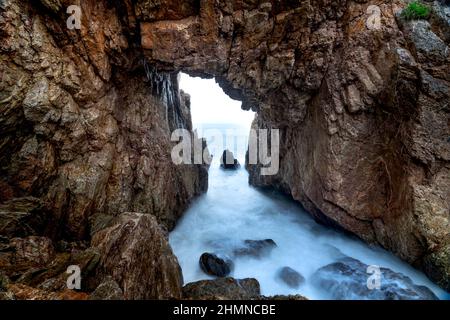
<point>233,211</point>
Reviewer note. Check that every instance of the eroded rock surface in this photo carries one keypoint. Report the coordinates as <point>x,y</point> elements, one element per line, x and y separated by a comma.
<point>363,114</point>
<point>136,254</point>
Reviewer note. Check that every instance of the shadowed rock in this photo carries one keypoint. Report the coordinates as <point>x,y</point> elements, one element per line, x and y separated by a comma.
<point>255,248</point>
<point>214,265</point>
<point>290,277</point>
<point>347,279</point>
<point>228,162</point>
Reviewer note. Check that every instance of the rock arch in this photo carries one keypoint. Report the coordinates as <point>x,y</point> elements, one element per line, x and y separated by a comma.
<point>362,112</point>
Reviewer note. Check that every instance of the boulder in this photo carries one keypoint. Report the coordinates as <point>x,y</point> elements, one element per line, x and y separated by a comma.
<point>290,277</point>
<point>347,279</point>
<point>215,265</point>
<point>228,162</point>
<point>222,289</point>
<point>136,254</point>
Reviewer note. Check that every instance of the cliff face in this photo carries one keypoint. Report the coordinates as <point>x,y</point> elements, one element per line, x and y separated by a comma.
<point>85,131</point>
<point>363,113</point>
<point>86,122</point>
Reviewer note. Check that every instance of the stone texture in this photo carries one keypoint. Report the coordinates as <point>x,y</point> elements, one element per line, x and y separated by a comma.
<point>363,113</point>
<point>222,289</point>
<point>364,117</point>
<point>85,123</point>
<point>135,253</point>
<point>107,290</point>
<point>348,279</point>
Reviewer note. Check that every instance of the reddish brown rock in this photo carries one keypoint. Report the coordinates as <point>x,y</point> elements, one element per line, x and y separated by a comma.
<point>135,253</point>
<point>363,114</point>
<point>32,250</point>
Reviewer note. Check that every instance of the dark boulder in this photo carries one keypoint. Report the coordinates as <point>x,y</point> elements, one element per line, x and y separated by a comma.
<point>214,265</point>
<point>291,277</point>
<point>347,279</point>
<point>227,161</point>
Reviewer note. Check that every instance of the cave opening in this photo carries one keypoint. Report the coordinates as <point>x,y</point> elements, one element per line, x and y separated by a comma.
<point>217,118</point>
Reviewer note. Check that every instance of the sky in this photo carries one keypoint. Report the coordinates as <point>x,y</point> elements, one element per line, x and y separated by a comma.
<point>210,105</point>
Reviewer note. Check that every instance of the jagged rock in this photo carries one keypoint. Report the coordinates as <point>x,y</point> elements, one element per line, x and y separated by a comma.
<point>135,253</point>
<point>227,161</point>
<point>215,265</point>
<point>107,290</point>
<point>222,289</point>
<point>348,278</point>
<point>290,277</point>
<point>21,217</point>
<point>32,250</point>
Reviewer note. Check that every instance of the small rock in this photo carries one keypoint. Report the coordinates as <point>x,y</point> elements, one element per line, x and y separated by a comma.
<point>107,290</point>
<point>291,277</point>
<point>214,265</point>
<point>227,161</point>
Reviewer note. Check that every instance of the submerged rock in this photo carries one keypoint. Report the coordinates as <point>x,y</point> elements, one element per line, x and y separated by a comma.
<point>255,248</point>
<point>291,277</point>
<point>227,161</point>
<point>214,265</point>
<point>347,279</point>
<point>239,248</point>
<point>223,289</point>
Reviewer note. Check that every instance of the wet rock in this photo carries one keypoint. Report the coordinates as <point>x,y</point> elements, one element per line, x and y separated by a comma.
<point>347,280</point>
<point>136,254</point>
<point>227,161</point>
<point>215,265</point>
<point>255,248</point>
<point>290,277</point>
<point>222,289</point>
<point>107,290</point>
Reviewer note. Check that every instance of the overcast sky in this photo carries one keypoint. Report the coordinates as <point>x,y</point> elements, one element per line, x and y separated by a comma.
<point>209,104</point>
